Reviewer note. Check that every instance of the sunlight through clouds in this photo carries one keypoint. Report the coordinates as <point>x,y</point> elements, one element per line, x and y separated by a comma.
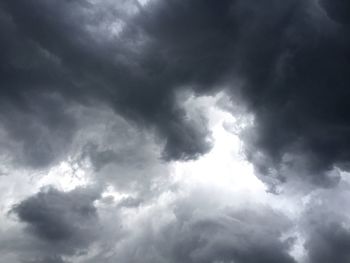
<point>224,166</point>
<point>174,131</point>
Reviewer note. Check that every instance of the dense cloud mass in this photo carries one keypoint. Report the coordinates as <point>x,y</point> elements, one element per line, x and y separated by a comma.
<point>287,62</point>
<point>56,224</point>
<point>328,239</point>
<point>103,103</point>
<point>228,236</point>
<point>68,221</point>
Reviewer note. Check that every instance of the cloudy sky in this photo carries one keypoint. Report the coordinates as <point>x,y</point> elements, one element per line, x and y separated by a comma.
<point>174,131</point>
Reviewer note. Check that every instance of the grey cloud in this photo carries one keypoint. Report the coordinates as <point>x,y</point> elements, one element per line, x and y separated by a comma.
<point>285,62</point>
<point>292,74</point>
<point>39,132</point>
<point>198,232</point>
<point>55,259</point>
<point>130,202</point>
<point>227,240</point>
<point>298,94</point>
<point>325,225</point>
<point>65,223</point>
<point>82,69</point>
<point>337,10</point>
<point>121,154</point>
<point>329,243</point>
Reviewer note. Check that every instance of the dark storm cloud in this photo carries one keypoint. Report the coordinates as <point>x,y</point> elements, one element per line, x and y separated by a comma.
<point>291,60</point>
<point>41,130</point>
<point>62,55</point>
<point>287,61</point>
<point>65,222</point>
<point>329,243</point>
<point>299,95</point>
<point>294,75</point>
<point>337,10</point>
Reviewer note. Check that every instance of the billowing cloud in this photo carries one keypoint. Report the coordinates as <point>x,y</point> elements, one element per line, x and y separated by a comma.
<point>237,236</point>
<point>104,93</point>
<point>189,229</point>
<point>289,73</point>
<point>64,222</point>
<point>325,224</point>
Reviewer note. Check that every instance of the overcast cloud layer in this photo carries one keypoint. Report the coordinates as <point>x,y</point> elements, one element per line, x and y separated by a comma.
<point>107,105</point>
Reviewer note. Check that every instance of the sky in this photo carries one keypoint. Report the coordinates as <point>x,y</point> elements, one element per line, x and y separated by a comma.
<point>173,131</point>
